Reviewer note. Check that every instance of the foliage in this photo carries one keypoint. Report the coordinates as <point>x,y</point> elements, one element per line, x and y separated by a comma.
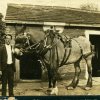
<point>90,7</point>
<point>2,28</point>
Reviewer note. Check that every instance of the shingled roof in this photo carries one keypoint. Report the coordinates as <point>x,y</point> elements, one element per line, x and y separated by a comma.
<point>31,13</point>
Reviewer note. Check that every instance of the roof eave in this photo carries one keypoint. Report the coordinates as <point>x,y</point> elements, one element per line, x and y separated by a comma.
<point>51,23</point>
<point>22,22</point>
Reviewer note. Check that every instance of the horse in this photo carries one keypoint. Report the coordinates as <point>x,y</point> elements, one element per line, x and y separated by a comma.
<point>54,51</point>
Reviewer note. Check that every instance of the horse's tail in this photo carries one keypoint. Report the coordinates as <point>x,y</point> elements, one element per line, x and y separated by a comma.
<point>92,49</point>
<point>92,52</point>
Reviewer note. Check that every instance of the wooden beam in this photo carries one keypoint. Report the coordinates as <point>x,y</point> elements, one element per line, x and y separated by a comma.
<point>22,22</point>
<point>52,23</point>
<point>84,25</point>
<point>55,23</point>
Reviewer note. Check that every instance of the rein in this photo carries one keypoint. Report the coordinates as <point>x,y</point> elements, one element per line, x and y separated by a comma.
<point>36,45</point>
<point>31,46</point>
<point>43,50</point>
<point>49,47</point>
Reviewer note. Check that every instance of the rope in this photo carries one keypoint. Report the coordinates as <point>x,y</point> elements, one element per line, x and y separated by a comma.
<point>65,58</point>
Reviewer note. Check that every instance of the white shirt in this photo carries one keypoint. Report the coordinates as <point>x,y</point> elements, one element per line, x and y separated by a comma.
<point>9,54</point>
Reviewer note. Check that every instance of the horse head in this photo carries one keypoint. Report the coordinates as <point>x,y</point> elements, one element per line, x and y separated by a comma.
<point>37,43</point>
<point>22,44</point>
<point>30,43</point>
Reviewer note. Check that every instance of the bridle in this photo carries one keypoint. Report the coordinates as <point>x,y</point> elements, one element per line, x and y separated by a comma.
<point>35,46</point>
<point>31,47</point>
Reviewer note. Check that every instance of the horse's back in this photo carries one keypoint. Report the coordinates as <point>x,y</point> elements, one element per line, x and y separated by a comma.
<point>79,46</point>
<point>84,44</point>
<point>75,52</point>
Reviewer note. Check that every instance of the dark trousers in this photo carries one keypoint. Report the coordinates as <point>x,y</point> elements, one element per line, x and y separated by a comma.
<point>8,77</point>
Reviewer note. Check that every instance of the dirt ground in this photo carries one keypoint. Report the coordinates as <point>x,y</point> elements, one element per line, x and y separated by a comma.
<point>38,88</point>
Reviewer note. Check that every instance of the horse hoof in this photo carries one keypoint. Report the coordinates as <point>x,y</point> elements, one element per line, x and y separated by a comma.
<point>70,88</point>
<point>53,94</point>
<point>54,91</point>
<point>87,88</point>
<point>49,89</point>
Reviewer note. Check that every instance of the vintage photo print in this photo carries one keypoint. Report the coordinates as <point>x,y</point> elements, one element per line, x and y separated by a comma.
<point>49,48</point>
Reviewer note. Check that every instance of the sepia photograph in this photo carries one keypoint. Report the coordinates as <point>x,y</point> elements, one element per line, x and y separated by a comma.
<point>49,49</point>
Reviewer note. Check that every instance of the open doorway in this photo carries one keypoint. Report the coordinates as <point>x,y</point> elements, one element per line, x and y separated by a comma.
<point>95,40</point>
<point>30,68</point>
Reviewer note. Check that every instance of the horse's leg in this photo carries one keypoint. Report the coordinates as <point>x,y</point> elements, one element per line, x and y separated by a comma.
<point>49,90</point>
<point>54,82</point>
<point>76,77</point>
<point>50,79</point>
<point>89,69</point>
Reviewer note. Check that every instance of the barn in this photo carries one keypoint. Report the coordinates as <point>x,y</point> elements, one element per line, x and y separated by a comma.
<point>70,21</point>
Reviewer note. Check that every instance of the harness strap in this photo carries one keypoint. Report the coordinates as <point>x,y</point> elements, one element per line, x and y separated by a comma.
<point>45,41</point>
<point>57,56</point>
<point>65,58</point>
<point>28,42</point>
<point>42,63</point>
<point>87,54</point>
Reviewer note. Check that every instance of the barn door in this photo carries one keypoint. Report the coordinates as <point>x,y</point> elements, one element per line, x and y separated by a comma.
<point>95,40</point>
<point>30,68</point>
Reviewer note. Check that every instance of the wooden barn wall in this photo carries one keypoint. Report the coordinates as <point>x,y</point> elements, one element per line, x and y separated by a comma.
<point>65,72</point>
<point>73,32</point>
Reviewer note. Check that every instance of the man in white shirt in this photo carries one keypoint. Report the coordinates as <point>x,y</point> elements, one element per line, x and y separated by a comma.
<point>7,66</point>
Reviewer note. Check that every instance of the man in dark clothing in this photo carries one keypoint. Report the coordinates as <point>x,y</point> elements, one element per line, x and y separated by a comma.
<point>7,67</point>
